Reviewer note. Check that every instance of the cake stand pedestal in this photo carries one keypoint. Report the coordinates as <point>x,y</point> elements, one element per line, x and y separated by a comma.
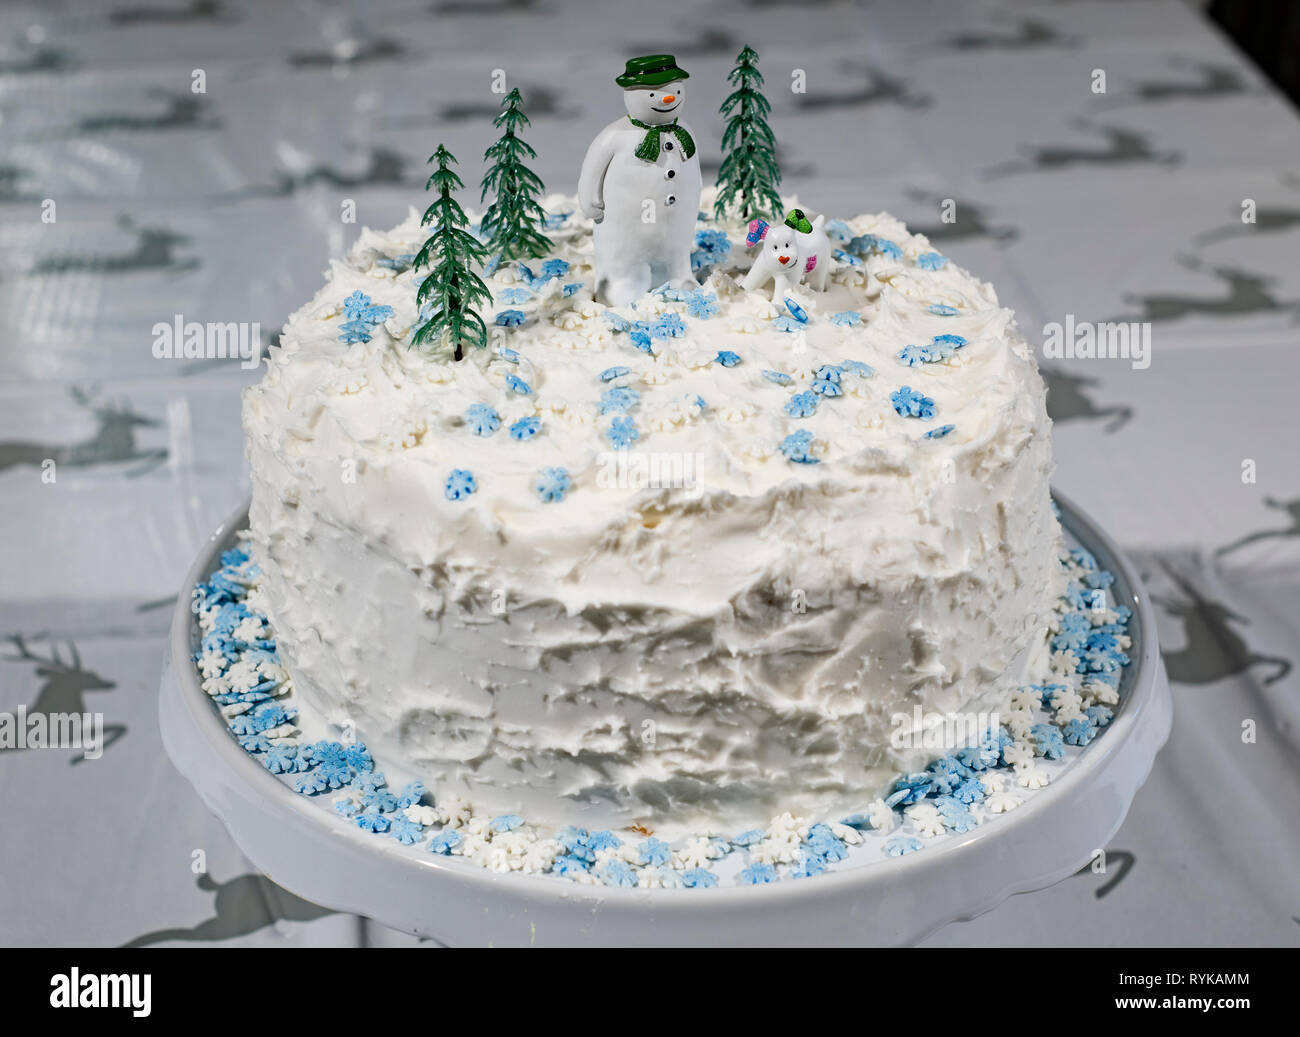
<point>311,851</point>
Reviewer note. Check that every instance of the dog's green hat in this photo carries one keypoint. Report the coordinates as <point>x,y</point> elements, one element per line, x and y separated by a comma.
<point>651,70</point>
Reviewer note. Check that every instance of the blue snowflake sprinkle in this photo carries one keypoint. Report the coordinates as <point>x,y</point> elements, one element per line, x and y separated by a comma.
<point>702,304</point>
<point>1079,731</point>
<point>460,484</point>
<point>757,874</point>
<point>617,322</point>
<point>1047,741</point>
<point>699,878</point>
<point>445,841</point>
<point>517,385</point>
<point>931,261</point>
<point>956,341</point>
<point>552,484</point>
<point>511,318</point>
<point>653,853</point>
<point>827,387</point>
<point>727,358</point>
<point>506,353</point>
<point>779,377</point>
<point>617,873</point>
<point>641,340</point>
<point>909,789</point>
<point>750,837</point>
<point>618,400</point>
<point>622,433</point>
<point>372,821</point>
<point>796,311</point>
<point>940,432</point>
<point>571,289</point>
<point>801,405</point>
<point>857,367</point>
<point>669,325</point>
<point>610,373</point>
<point>914,355</point>
<point>797,446</point>
<point>847,318</point>
<point>901,845</point>
<point>482,419</point>
<point>838,230</point>
<point>514,296</point>
<point>553,268</point>
<point>405,831</point>
<point>525,428</point>
<point>567,866</point>
<point>942,309</point>
<point>603,840</point>
<point>807,865</point>
<point>911,404</point>
<point>955,815</point>
<point>787,324</point>
<point>506,822</point>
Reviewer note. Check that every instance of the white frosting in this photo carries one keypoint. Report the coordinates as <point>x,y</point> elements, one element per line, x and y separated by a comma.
<point>682,656</point>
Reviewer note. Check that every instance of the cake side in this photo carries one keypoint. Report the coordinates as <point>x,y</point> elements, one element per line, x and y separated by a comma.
<point>735,643</point>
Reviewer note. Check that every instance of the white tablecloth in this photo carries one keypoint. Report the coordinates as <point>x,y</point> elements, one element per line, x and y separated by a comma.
<point>225,206</point>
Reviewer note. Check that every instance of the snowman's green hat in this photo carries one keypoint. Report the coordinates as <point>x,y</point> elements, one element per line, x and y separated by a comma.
<point>651,70</point>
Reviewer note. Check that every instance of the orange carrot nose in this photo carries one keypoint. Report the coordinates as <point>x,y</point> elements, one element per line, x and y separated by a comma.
<point>669,98</point>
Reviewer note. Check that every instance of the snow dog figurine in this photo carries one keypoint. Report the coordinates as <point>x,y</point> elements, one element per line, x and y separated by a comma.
<point>795,250</point>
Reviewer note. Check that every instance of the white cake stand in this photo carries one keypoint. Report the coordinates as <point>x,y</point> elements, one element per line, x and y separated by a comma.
<point>307,848</point>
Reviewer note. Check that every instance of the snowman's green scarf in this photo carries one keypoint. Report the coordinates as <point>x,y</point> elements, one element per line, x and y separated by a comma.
<point>648,149</point>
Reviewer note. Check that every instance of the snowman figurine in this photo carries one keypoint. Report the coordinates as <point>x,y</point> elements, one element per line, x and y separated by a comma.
<point>640,183</point>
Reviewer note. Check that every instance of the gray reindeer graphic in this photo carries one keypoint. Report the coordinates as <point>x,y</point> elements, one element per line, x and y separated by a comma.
<point>383,167</point>
<point>1123,147</point>
<point>349,53</point>
<point>1212,81</point>
<point>155,249</point>
<point>878,87</point>
<point>541,102</point>
<point>194,11</point>
<point>1247,292</point>
<point>1292,510</point>
<point>112,442</point>
<point>181,111</point>
<point>971,221</point>
<point>243,905</point>
<point>1124,861</point>
<point>1269,219</point>
<point>1067,399</point>
<point>1212,649</point>
<point>1025,34</point>
<point>65,686</point>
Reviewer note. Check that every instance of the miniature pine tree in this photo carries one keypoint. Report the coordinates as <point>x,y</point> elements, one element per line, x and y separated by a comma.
<point>748,176</point>
<point>452,288</point>
<point>511,223</point>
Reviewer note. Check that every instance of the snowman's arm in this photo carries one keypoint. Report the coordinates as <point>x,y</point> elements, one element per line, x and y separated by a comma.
<point>591,181</point>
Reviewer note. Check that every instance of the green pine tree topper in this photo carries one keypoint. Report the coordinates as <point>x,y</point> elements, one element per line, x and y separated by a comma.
<point>748,176</point>
<point>511,224</point>
<point>450,254</point>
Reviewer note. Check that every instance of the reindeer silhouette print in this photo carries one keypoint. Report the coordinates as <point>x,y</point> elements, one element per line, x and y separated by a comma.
<point>1067,400</point>
<point>1292,510</point>
<point>183,111</point>
<point>194,11</point>
<point>1247,292</point>
<point>383,167</point>
<point>481,8</point>
<point>113,442</point>
<point>242,906</point>
<point>1214,81</point>
<point>971,221</point>
<point>349,53</point>
<point>699,43</point>
<point>1268,220</point>
<point>1124,862</point>
<point>64,689</point>
<point>540,101</point>
<point>878,88</point>
<point>1027,34</point>
<point>1212,649</point>
<point>155,249</point>
<point>36,61</point>
<point>1124,147</point>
